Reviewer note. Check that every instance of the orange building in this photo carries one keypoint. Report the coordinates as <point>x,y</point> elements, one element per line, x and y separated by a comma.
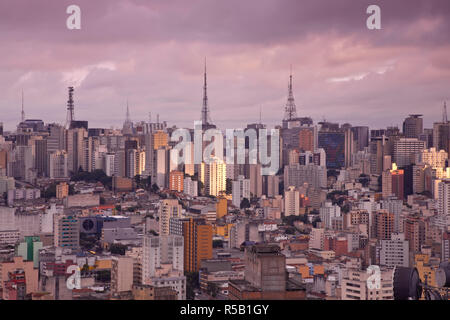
<point>221,207</point>
<point>160,139</point>
<point>176,181</point>
<point>62,190</point>
<point>197,243</point>
<point>383,225</point>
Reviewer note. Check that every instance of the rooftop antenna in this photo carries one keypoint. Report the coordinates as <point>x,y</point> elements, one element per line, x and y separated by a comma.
<point>260,115</point>
<point>128,113</point>
<point>23,111</point>
<point>444,113</point>
<point>290,110</point>
<point>70,108</point>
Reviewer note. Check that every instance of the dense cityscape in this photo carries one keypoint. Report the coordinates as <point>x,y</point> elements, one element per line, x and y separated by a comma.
<point>95,213</point>
<point>224,158</point>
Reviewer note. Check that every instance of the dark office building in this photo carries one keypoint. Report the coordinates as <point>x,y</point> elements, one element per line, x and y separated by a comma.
<point>413,126</point>
<point>333,142</point>
<point>361,137</point>
<point>41,157</point>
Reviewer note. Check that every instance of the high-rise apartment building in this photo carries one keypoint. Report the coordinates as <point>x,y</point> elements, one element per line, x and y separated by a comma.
<point>168,208</point>
<point>58,165</point>
<point>291,202</point>
<point>382,225</point>
<point>434,158</point>
<point>414,230</point>
<point>355,285</point>
<point>394,252</point>
<point>240,190</point>
<point>176,181</point>
<point>66,231</point>
<point>160,250</point>
<point>121,274</point>
<point>197,243</point>
<point>214,177</point>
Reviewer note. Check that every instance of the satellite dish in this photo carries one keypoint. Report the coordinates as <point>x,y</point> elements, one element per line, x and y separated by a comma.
<point>443,275</point>
<point>407,284</point>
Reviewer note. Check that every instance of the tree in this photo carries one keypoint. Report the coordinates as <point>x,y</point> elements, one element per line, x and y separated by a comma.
<point>50,192</point>
<point>155,188</point>
<point>212,289</point>
<point>191,284</point>
<point>245,204</point>
<point>103,276</point>
<point>345,208</point>
<point>200,187</point>
<point>289,220</point>
<point>229,186</point>
<point>117,248</point>
<point>217,244</point>
<point>315,221</point>
<point>97,175</point>
<point>332,173</point>
<point>290,230</point>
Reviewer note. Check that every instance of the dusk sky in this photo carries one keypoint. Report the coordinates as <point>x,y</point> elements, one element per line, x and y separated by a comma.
<point>151,52</point>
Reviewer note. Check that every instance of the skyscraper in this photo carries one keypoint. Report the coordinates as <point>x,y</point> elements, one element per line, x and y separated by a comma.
<point>197,243</point>
<point>168,208</point>
<point>441,133</point>
<point>413,126</point>
<point>382,225</point>
<point>213,176</point>
<point>405,149</point>
<point>291,202</point>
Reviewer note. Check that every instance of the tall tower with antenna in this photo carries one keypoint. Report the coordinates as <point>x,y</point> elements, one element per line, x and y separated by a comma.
<point>290,110</point>
<point>70,108</point>
<point>206,118</point>
<point>23,110</point>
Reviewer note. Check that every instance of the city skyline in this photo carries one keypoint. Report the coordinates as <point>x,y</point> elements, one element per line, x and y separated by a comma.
<point>342,71</point>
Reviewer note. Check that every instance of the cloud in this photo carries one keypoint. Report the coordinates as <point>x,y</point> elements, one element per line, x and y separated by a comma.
<point>152,52</point>
<point>76,77</point>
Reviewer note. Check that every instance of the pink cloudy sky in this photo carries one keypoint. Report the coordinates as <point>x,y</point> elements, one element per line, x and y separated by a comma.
<point>152,52</point>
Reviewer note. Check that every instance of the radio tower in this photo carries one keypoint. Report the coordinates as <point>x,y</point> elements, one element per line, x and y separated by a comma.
<point>23,111</point>
<point>70,108</point>
<point>206,120</point>
<point>444,113</point>
<point>290,111</point>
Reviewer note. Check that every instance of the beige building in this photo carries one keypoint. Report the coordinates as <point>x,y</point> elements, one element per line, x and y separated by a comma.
<point>214,177</point>
<point>291,202</point>
<point>355,285</point>
<point>121,274</point>
<point>168,208</point>
<point>62,190</point>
